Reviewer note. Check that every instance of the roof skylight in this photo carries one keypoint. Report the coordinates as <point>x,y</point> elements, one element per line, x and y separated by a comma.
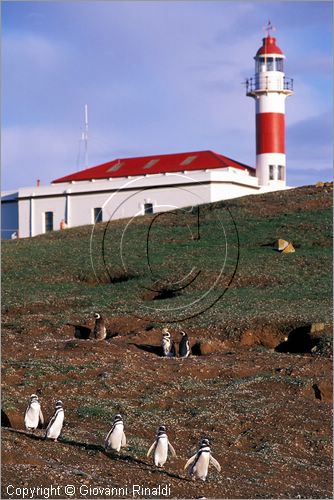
<point>150,163</point>
<point>188,160</point>
<point>116,167</point>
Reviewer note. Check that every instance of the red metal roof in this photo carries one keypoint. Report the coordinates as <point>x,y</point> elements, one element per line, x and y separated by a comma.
<point>155,164</point>
<point>269,47</point>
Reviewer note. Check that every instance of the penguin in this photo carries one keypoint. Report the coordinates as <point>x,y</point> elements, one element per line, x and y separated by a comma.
<point>184,347</point>
<point>54,428</point>
<point>199,463</point>
<point>100,331</point>
<point>167,344</point>
<point>160,448</point>
<point>33,414</point>
<point>116,438</point>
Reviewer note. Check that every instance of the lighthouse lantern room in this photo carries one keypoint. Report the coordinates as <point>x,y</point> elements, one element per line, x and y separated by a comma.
<point>269,88</point>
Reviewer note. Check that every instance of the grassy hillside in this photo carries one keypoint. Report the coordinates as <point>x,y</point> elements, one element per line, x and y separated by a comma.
<point>231,259</point>
<point>265,409</point>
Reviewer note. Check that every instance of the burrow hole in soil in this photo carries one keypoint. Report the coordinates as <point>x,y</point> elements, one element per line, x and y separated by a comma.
<point>299,341</point>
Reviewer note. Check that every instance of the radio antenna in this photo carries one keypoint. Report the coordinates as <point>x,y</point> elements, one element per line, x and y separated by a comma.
<point>85,135</point>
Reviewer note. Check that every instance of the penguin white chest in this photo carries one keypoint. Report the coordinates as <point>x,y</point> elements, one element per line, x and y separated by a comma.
<point>31,418</point>
<point>161,451</point>
<point>166,346</point>
<point>201,466</point>
<point>55,428</point>
<point>114,438</point>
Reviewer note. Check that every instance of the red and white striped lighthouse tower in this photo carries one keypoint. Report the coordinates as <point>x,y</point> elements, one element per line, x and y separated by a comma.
<point>270,88</point>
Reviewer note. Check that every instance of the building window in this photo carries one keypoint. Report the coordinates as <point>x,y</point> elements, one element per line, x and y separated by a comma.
<point>148,208</point>
<point>276,172</point>
<point>281,172</point>
<point>279,64</point>
<point>271,172</point>
<point>48,221</point>
<point>270,64</point>
<point>97,215</point>
<point>260,65</point>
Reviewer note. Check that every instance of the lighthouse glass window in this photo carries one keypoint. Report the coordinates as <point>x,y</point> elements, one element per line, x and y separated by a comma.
<point>260,65</point>
<point>279,64</point>
<point>270,64</point>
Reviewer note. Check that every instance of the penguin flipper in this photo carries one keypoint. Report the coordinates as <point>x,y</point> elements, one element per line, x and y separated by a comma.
<point>53,418</point>
<point>151,449</point>
<point>123,442</point>
<point>172,352</point>
<point>106,442</point>
<point>173,452</point>
<point>214,462</point>
<point>41,418</point>
<point>190,461</point>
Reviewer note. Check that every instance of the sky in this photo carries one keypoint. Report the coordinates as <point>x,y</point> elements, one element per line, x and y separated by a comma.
<point>158,77</point>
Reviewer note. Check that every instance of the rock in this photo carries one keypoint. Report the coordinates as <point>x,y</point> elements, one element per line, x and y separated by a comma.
<point>284,246</point>
<point>318,327</point>
<point>281,244</point>
<point>289,248</point>
<point>319,184</point>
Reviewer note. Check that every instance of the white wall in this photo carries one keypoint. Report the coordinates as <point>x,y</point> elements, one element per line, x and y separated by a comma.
<point>42,205</point>
<point>121,204</point>
<point>24,218</point>
<point>224,191</point>
<point>125,197</point>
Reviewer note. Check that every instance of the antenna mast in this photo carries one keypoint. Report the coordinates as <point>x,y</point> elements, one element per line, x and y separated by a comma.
<point>86,135</point>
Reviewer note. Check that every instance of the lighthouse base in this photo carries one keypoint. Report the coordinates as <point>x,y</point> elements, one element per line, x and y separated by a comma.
<point>270,170</point>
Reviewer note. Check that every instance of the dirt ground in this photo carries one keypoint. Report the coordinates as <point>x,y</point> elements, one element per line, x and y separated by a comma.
<point>261,392</point>
<point>266,413</point>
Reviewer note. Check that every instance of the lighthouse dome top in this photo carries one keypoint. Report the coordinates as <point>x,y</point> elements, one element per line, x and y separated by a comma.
<point>269,47</point>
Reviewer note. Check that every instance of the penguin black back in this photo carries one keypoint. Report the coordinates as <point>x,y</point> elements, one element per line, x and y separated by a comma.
<point>184,348</point>
<point>100,331</point>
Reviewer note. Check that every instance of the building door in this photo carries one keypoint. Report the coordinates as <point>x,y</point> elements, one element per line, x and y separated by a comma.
<point>48,222</point>
<point>148,208</point>
<point>97,215</point>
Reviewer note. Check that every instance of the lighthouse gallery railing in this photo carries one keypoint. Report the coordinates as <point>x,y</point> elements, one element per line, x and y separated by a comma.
<point>265,83</point>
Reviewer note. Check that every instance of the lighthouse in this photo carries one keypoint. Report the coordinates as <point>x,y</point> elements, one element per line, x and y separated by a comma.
<point>270,87</point>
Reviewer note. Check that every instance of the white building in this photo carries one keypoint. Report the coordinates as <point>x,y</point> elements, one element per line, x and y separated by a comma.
<point>134,186</point>
<point>126,188</point>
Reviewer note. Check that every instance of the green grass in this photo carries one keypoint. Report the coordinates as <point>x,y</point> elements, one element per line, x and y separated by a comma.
<point>94,411</point>
<point>51,275</point>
